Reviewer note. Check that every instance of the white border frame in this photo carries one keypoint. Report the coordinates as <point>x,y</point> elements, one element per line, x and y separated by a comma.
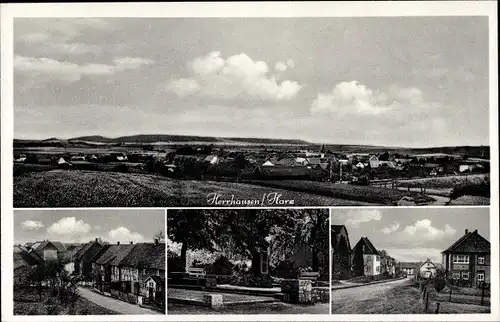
<point>246,9</point>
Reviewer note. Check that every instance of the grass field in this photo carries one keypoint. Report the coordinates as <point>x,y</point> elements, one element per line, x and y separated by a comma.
<point>400,300</point>
<point>69,188</point>
<point>365,194</point>
<point>27,302</point>
<point>270,308</point>
<point>447,182</point>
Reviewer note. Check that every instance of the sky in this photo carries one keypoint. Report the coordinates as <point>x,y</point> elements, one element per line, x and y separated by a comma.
<point>412,234</point>
<point>394,81</point>
<point>86,225</point>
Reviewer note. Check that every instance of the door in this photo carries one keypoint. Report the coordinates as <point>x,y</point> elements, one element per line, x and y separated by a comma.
<point>150,294</point>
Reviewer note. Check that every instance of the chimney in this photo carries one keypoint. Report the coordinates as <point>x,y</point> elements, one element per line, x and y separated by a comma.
<point>96,239</point>
<point>118,243</point>
<point>131,242</point>
<point>475,230</point>
<point>156,241</point>
<point>466,231</point>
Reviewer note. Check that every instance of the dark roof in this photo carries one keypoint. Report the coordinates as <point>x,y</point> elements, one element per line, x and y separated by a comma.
<point>112,254</point>
<point>146,255</point>
<point>38,246</point>
<point>369,249</point>
<point>85,247</point>
<point>471,242</point>
<point>23,258</point>
<point>409,264</point>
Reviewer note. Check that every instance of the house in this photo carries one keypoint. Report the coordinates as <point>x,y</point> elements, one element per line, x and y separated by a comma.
<point>268,163</point>
<point>283,172</point>
<point>212,159</point>
<point>24,262</point>
<point>360,165</point>
<point>464,168</point>
<point>61,161</point>
<point>365,258</point>
<point>427,269</point>
<point>105,266</point>
<point>374,162</point>
<point>145,260</point>
<point>468,260</point>
<point>78,158</point>
<point>341,249</point>
<point>48,250</point>
<point>127,268</point>
<point>408,268</point>
<point>82,257</point>
<point>121,157</point>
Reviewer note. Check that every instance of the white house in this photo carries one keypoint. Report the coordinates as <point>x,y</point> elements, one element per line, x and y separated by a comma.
<point>61,161</point>
<point>427,269</point>
<point>268,163</point>
<point>360,165</point>
<point>464,167</point>
<point>212,159</point>
<point>374,162</point>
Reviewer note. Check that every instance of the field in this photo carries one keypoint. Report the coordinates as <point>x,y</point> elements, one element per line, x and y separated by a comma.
<point>368,194</point>
<point>448,182</point>
<point>70,188</point>
<point>27,302</point>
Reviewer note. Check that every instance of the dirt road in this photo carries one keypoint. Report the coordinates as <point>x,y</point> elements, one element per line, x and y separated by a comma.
<point>113,304</point>
<point>363,293</point>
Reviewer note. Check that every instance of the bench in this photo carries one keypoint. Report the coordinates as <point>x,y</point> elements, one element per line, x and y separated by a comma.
<point>196,272</point>
<point>310,276</point>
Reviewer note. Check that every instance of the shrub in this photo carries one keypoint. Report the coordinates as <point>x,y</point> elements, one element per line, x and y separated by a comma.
<point>286,269</point>
<point>221,266</point>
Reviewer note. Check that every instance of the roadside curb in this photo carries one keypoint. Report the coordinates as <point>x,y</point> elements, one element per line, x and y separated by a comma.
<point>366,284</point>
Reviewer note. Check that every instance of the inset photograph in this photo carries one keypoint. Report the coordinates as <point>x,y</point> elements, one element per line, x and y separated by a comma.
<point>248,261</point>
<point>411,261</point>
<point>89,262</point>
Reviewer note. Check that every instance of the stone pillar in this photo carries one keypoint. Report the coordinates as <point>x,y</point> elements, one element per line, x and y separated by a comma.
<point>139,300</point>
<point>213,300</point>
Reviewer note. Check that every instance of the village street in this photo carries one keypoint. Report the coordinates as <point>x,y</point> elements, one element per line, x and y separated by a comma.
<point>368,292</point>
<point>113,304</point>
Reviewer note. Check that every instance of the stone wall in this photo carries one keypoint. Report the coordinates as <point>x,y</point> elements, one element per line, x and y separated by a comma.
<point>297,291</point>
<point>321,294</point>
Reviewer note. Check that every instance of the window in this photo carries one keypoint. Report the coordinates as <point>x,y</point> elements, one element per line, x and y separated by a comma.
<point>377,258</point>
<point>465,275</point>
<point>480,260</point>
<point>461,259</point>
<point>264,262</point>
<point>378,269</point>
<point>480,277</point>
<point>456,276</point>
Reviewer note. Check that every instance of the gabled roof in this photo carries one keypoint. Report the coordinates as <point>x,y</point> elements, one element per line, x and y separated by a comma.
<point>83,249</point>
<point>39,246</point>
<point>24,259</point>
<point>471,242</point>
<point>409,265</point>
<point>369,248</point>
<point>336,229</point>
<point>157,279</point>
<point>427,261</point>
<point>112,254</point>
<point>146,255</point>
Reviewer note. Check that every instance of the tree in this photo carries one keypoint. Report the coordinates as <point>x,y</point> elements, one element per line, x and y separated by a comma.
<point>194,229</point>
<point>160,235</point>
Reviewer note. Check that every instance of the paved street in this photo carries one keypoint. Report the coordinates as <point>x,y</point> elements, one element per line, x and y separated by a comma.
<point>113,304</point>
<point>366,292</point>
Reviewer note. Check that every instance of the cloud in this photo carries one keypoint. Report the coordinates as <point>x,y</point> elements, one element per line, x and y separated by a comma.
<point>357,217</point>
<point>123,234</point>
<point>97,227</point>
<point>387,230</point>
<point>353,98</point>
<point>127,63</point>
<point>34,37</point>
<point>69,227</point>
<point>238,76</point>
<point>280,66</point>
<point>31,225</point>
<point>423,229</point>
<point>290,63</point>
<point>46,68</point>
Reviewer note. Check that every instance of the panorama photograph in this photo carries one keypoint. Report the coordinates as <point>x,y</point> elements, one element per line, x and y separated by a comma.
<point>411,261</point>
<point>221,112</point>
<point>89,262</point>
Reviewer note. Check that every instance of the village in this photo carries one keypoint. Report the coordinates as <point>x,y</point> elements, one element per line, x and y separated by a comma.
<point>248,261</point>
<point>377,177</point>
<point>95,277</point>
<point>367,280</point>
